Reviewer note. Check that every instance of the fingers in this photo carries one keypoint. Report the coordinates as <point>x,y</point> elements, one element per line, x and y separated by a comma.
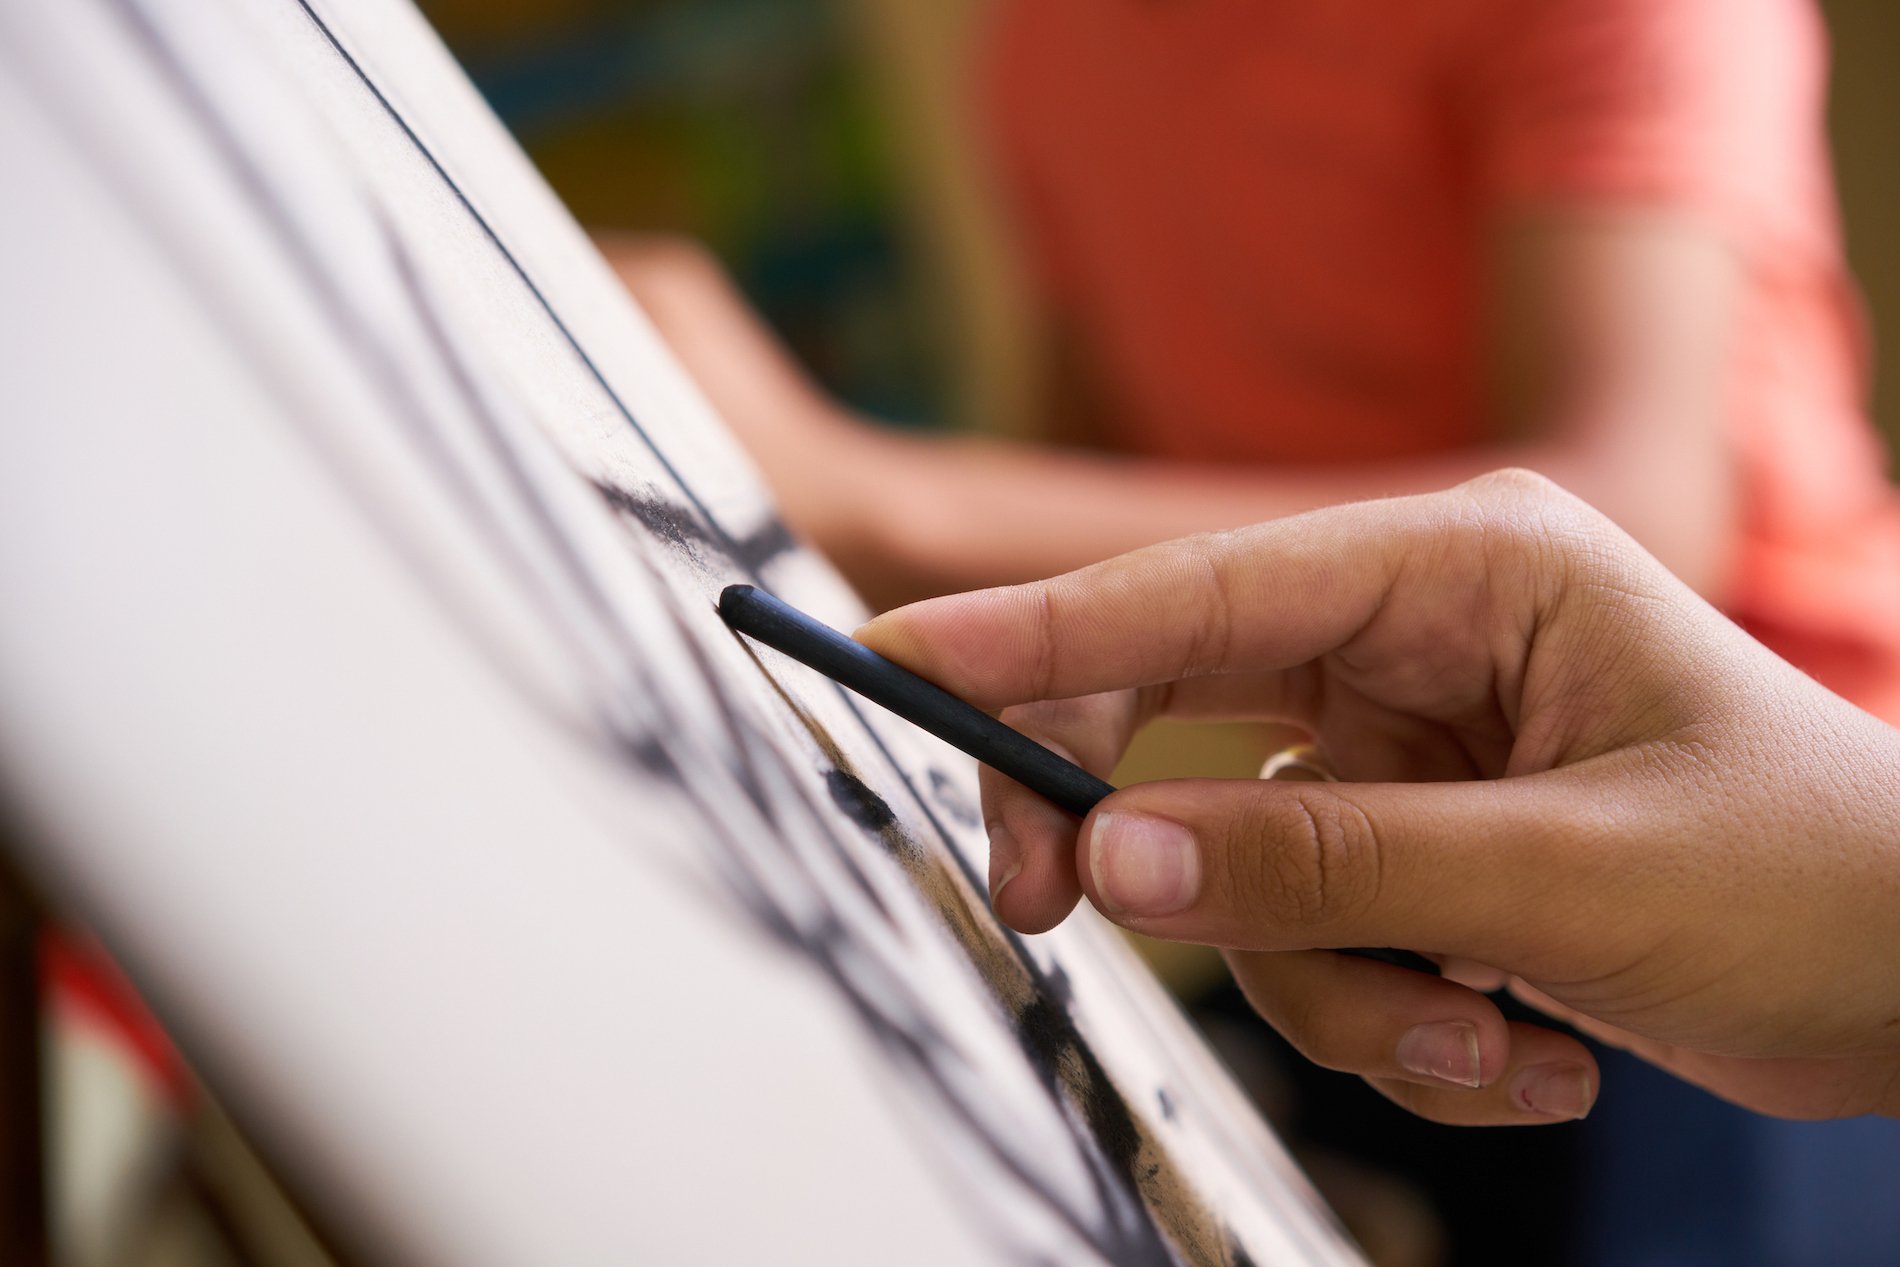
<point>1434,1047</point>
<point>1373,1019</point>
<point>1260,599</point>
<point>1486,871</point>
<point>1549,1078</point>
<point>1033,883</point>
<point>1257,599</point>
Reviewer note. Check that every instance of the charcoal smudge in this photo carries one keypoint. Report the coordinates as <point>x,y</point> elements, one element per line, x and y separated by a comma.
<point>682,529</point>
<point>1049,1036</point>
<point>864,807</point>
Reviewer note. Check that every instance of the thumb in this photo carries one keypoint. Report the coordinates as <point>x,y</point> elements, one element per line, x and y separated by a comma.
<point>1478,869</point>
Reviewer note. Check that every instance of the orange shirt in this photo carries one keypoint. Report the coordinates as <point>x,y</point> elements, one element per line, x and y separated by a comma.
<point>1265,217</point>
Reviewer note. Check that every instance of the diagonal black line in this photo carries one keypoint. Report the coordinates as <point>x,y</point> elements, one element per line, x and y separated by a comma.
<point>252,180</point>
<point>520,271</point>
<point>726,539</point>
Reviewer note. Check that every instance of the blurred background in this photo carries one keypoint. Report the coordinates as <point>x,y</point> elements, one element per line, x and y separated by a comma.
<point>824,153</point>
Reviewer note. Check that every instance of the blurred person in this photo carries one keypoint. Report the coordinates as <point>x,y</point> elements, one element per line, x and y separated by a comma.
<point>1299,253</point>
<point>1293,254</point>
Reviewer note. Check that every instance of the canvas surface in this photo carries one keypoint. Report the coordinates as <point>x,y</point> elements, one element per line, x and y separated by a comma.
<point>360,680</point>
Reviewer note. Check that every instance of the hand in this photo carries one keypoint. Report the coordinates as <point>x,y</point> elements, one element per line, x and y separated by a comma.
<point>1561,763</point>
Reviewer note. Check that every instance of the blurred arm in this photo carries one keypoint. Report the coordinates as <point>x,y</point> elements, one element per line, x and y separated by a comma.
<point>1608,345</point>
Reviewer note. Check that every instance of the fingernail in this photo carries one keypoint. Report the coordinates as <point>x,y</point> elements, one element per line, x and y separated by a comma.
<point>1142,865</point>
<point>1446,1050</point>
<point>1006,860</point>
<point>1553,1090</point>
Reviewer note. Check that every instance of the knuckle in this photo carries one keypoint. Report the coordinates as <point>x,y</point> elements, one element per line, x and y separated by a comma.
<point>1212,646</point>
<point>1309,1027</point>
<point>1315,860</point>
<point>1047,623</point>
<point>1512,483</point>
<point>1305,1019</point>
<point>1522,522</point>
<point>1518,503</point>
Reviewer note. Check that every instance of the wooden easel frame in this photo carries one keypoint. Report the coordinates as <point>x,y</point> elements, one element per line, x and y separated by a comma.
<point>23,1195</point>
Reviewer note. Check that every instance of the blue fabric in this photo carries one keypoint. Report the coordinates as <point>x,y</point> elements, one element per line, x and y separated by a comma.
<point>1673,1177</point>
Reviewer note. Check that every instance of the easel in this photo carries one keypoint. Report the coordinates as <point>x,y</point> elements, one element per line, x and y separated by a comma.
<point>23,1215</point>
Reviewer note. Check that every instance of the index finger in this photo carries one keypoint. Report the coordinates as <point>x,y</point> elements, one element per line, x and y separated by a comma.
<point>1271,596</point>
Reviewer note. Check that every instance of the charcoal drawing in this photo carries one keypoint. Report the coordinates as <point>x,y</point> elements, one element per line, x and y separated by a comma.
<point>573,539</point>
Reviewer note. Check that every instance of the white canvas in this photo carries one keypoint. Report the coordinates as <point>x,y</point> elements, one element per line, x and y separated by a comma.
<point>360,682</point>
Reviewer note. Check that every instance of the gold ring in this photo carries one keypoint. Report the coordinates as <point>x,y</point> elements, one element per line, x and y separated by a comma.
<point>1300,763</point>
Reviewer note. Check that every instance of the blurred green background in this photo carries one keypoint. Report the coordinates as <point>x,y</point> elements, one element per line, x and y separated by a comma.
<point>748,124</point>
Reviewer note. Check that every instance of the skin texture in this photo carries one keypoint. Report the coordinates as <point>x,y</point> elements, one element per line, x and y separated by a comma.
<point>1607,344</point>
<point>1563,773</point>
